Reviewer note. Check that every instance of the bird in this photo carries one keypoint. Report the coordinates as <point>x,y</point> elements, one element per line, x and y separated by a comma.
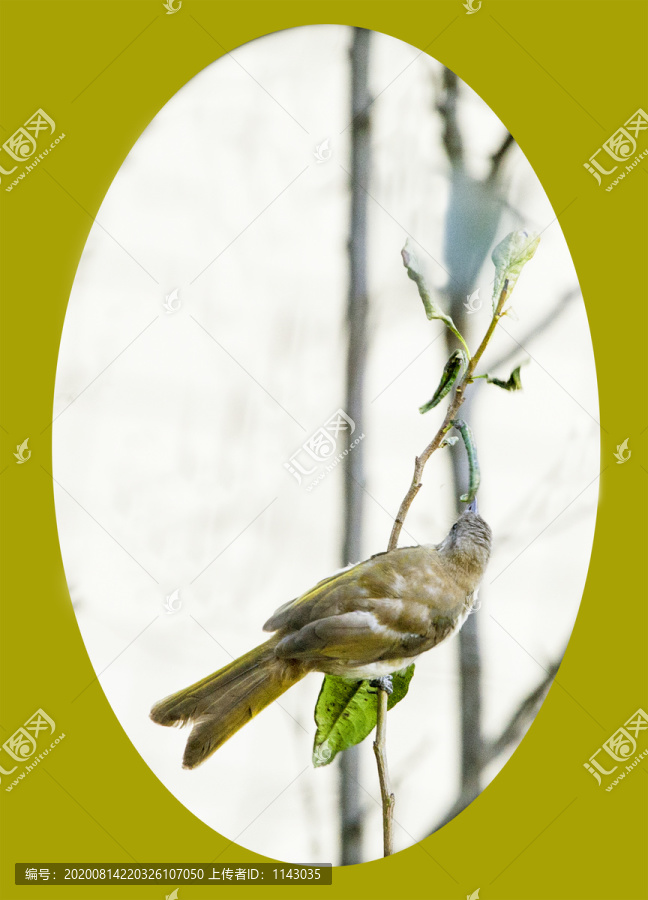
<point>366,621</point>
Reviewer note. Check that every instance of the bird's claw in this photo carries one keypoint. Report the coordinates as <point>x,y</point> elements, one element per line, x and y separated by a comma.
<point>383,684</point>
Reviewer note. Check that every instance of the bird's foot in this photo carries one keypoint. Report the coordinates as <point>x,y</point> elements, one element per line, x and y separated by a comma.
<point>383,684</point>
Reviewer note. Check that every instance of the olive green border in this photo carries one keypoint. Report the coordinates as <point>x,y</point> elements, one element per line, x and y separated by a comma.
<point>563,76</point>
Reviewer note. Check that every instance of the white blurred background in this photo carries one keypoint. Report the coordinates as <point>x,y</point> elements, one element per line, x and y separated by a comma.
<point>173,428</point>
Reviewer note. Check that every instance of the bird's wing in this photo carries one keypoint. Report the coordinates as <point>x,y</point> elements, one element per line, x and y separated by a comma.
<point>401,601</point>
<point>282,613</point>
<point>375,577</point>
<point>365,637</point>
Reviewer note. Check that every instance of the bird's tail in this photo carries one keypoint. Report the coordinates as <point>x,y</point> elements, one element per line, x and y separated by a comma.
<point>223,702</point>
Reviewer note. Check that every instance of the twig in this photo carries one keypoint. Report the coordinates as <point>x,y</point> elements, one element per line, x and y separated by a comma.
<point>380,745</point>
<point>512,733</point>
<point>537,329</point>
<point>386,794</point>
<point>498,157</point>
<point>521,718</point>
<point>451,413</point>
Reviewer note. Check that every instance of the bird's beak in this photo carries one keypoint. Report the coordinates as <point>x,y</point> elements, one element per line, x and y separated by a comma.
<point>472,507</point>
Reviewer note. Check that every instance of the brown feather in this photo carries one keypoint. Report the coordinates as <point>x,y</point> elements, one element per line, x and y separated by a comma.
<point>370,619</point>
<point>223,702</point>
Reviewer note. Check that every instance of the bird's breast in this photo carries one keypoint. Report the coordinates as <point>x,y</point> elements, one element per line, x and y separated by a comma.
<point>359,672</point>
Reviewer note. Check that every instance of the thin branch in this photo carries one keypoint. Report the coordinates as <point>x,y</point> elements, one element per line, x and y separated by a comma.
<point>539,327</point>
<point>500,154</point>
<point>386,794</point>
<point>519,722</point>
<point>512,733</point>
<point>380,747</point>
<point>452,137</point>
<point>451,414</point>
<point>462,801</point>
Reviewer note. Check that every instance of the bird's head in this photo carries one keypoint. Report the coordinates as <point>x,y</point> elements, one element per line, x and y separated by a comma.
<point>468,543</point>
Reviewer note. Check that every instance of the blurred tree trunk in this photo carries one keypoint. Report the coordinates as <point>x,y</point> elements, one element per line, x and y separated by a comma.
<point>350,811</point>
<point>473,216</point>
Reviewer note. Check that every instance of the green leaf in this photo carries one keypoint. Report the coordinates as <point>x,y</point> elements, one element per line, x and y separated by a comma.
<point>432,309</point>
<point>510,257</point>
<point>450,372</point>
<point>346,712</point>
<point>513,384</point>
